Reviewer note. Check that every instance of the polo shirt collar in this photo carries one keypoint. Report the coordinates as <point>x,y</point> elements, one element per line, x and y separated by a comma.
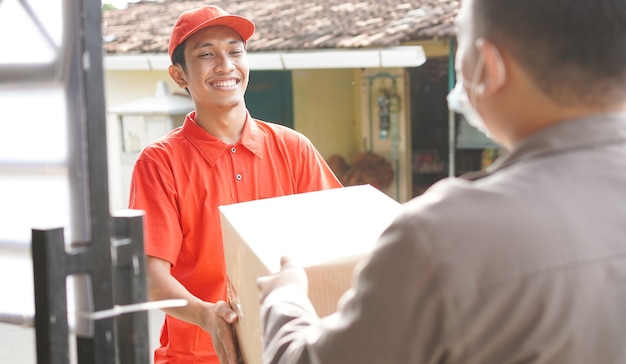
<point>586,132</point>
<point>212,148</point>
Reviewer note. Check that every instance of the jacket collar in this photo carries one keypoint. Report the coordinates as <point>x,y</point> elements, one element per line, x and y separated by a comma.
<point>586,132</point>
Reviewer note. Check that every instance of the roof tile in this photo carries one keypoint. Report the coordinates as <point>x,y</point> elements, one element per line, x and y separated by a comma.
<point>144,27</point>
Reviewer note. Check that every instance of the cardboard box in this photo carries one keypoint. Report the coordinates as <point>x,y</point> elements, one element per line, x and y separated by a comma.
<point>326,232</point>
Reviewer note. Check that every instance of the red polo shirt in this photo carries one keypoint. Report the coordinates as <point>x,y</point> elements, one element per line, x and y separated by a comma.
<point>182,178</point>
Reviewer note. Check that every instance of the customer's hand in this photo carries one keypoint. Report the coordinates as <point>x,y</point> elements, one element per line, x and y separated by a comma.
<point>219,323</point>
<point>289,274</point>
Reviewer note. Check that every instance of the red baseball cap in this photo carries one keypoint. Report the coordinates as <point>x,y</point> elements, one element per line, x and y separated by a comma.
<point>193,20</point>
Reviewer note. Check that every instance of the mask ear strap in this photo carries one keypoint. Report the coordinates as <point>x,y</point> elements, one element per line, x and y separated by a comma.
<point>500,68</point>
<point>479,87</point>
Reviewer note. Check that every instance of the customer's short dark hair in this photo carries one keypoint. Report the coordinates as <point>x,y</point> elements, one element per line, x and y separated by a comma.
<point>575,50</point>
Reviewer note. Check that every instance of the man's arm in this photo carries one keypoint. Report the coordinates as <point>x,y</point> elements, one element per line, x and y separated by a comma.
<point>394,313</point>
<point>215,318</point>
<point>291,285</point>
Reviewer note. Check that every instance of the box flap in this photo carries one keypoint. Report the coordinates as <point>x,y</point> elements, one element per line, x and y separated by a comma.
<point>313,227</point>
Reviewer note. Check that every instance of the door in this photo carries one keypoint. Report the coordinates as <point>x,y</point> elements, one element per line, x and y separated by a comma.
<point>269,97</point>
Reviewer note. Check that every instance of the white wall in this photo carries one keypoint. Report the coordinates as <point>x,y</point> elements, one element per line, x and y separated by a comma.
<point>122,87</point>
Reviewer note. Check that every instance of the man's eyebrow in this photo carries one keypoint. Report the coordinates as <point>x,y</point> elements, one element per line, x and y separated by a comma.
<point>202,45</point>
<point>210,44</point>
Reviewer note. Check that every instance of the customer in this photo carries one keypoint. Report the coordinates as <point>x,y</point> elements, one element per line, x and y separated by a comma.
<point>526,265</point>
<point>221,155</point>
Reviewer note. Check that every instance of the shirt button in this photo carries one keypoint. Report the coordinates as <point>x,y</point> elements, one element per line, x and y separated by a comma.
<point>233,150</point>
<point>238,177</point>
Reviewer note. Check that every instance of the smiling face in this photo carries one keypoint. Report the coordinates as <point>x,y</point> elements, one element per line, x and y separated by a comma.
<point>216,69</point>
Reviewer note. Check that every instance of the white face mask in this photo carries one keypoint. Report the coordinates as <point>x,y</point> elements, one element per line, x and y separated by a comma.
<point>459,100</point>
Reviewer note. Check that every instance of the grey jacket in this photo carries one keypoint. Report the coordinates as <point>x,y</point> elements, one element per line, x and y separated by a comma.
<point>525,265</point>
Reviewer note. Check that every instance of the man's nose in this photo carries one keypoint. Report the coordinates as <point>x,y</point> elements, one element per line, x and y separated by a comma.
<point>224,62</point>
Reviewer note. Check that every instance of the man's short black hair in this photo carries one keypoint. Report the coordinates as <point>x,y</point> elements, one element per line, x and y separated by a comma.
<point>575,50</point>
<point>178,56</point>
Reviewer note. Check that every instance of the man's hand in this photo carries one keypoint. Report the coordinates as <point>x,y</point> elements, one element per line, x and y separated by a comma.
<point>214,318</point>
<point>218,322</point>
<point>289,274</point>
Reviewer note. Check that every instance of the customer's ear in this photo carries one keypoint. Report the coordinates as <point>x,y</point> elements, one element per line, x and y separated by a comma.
<point>494,72</point>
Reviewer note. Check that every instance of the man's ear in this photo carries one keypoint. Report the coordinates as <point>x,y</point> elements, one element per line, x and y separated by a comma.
<point>178,75</point>
<point>494,72</point>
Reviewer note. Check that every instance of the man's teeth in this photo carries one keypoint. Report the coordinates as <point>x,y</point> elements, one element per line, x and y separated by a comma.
<point>229,83</point>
